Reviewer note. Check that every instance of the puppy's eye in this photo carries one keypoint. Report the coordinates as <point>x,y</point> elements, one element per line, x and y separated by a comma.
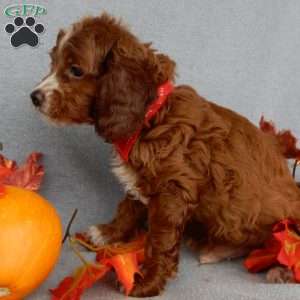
<point>76,71</point>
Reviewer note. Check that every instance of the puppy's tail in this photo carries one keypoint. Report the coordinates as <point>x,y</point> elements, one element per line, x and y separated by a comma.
<point>286,139</point>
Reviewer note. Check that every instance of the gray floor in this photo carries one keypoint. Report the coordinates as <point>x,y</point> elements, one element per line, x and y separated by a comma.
<point>241,54</point>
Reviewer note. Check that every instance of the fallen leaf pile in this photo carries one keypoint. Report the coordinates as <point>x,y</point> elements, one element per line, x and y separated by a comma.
<point>123,258</point>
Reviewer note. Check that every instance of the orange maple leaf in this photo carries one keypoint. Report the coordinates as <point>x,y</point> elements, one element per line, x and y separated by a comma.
<point>72,287</point>
<point>124,258</point>
<point>286,233</point>
<point>261,259</point>
<point>125,266</point>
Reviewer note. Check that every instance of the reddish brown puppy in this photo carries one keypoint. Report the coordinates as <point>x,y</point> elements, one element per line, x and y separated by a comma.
<point>195,168</point>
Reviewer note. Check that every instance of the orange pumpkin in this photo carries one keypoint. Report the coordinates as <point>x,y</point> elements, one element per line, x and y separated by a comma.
<point>30,241</point>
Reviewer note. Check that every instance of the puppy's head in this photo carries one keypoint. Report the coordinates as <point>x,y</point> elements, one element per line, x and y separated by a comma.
<point>102,75</point>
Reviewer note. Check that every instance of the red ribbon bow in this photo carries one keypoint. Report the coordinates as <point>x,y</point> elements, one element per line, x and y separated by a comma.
<point>125,146</point>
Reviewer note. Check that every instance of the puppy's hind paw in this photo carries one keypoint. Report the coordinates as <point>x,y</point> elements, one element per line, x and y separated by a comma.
<point>280,275</point>
<point>215,254</point>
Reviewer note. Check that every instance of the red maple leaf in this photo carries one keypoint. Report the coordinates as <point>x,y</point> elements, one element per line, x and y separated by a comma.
<point>286,139</point>
<point>122,257</point>
<point>125,266</point>
<point>287,234</point>
<point>7,164</point>
<point>2,190</point>
<point>28,176</point>
<point>261,259</point>
<point>267,126</point>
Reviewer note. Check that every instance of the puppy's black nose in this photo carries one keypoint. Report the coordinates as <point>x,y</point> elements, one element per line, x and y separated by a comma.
<point>37,98</point>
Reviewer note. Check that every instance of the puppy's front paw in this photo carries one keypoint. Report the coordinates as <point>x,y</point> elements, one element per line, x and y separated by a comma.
<point>95,236</point>
<point>149,284</point>
<point>146,288</point>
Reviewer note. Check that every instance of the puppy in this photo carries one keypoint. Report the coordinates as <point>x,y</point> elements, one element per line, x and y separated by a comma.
<point>188,166</point>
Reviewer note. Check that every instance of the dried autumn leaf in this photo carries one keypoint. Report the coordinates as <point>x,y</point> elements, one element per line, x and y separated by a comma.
<point>286,233</point>
<point>62,289</point>
<point>123,257</point>
<point>28,176</point>
<point>267,126</point>
<point>287,141</point>
<point>4,172</point>
<point>6,163</point>
<point>2,190</point>
<point>261,259</point>
<point>71,288</point>
<point>6,169</point>
<point>125,266</point>
<point>283,248</point>
<point>296,270</point>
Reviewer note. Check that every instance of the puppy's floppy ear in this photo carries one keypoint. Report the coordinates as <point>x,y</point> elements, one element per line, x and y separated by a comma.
<point>123,90</point>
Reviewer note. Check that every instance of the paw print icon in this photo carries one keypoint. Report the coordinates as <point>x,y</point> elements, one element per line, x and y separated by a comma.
<point>24,31</point>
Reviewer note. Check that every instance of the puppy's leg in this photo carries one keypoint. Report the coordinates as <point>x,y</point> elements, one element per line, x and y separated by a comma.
<point>213,253</point>
<point>167,215</point>
<point>216,253</point>
<point>130,216</point>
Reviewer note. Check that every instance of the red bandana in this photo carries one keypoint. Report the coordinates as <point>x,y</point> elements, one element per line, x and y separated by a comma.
<point>124,146</point>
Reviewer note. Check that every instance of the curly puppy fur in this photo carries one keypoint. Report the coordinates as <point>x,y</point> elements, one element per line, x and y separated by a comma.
<point>198,168</point>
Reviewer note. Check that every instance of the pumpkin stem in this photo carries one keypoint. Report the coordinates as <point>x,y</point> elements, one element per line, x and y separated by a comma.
<point>4,292</point>
<point>67,233</point>
<point>297,163</point>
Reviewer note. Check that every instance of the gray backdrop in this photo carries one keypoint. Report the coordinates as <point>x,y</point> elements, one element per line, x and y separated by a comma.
<point>242,54</point>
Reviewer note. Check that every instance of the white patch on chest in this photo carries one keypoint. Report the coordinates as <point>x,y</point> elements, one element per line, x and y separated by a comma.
<point>128,178</point>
